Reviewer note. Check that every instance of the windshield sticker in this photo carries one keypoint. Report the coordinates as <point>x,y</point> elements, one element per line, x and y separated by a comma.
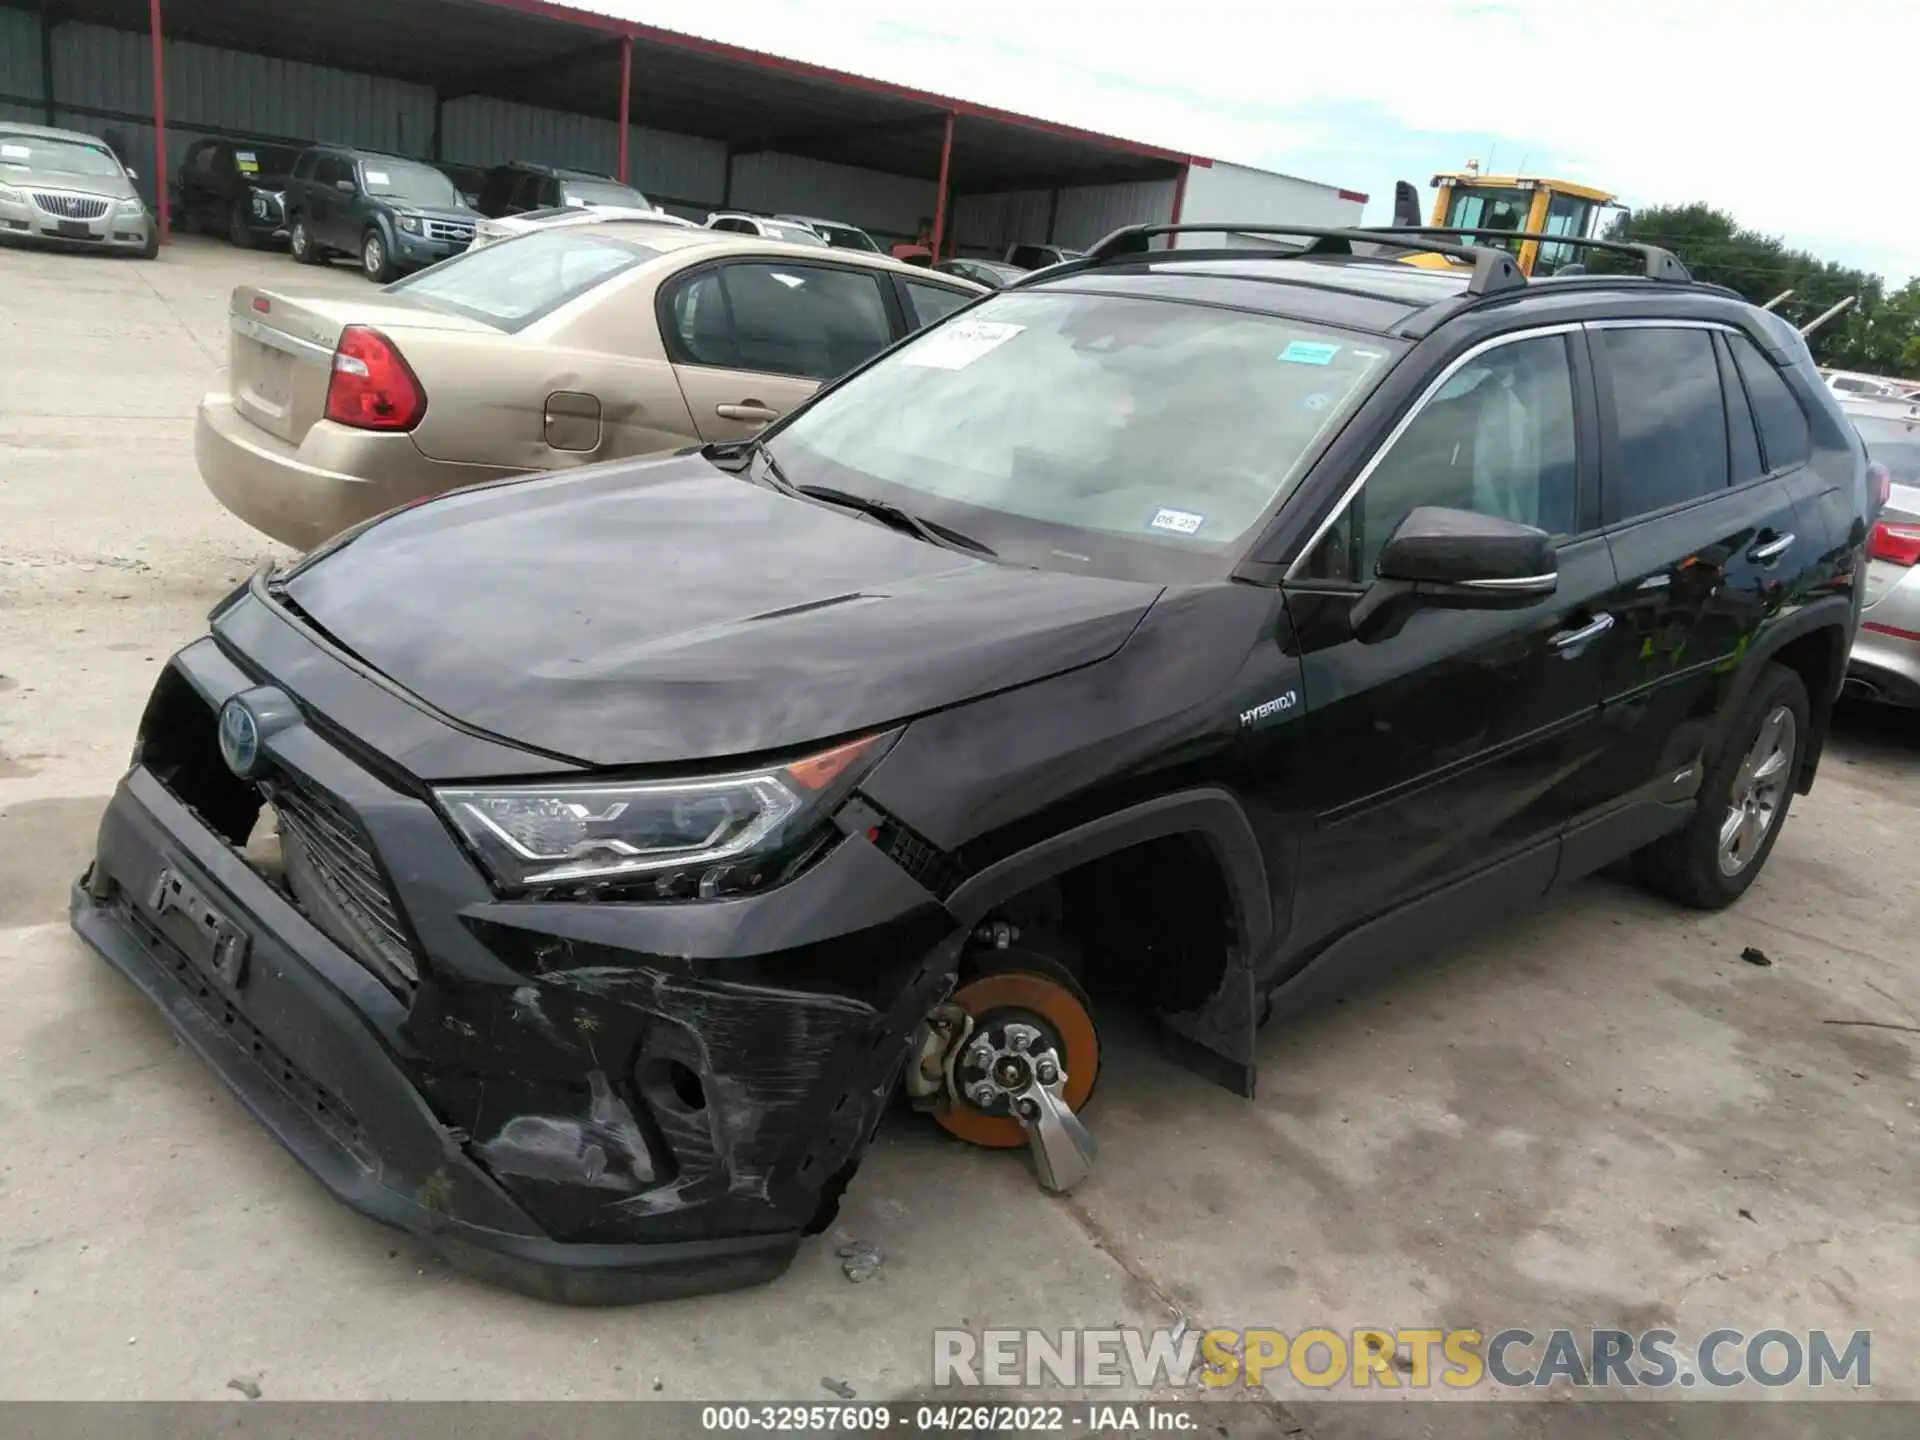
<point>15,152</point>
<point>247,161</point>
<point>378,177</point>
<point>1310,352</point>
<point>956,346</point>
<point>1181,522</point>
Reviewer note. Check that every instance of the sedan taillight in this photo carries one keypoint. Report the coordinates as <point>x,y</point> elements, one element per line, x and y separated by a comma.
<point>1898,543</point>
<point>372,386</point>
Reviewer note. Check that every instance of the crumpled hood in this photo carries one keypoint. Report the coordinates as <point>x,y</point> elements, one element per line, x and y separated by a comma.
<point>661,611</point>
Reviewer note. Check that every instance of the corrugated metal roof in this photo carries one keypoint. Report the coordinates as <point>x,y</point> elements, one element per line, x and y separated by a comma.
<point>549,56</point>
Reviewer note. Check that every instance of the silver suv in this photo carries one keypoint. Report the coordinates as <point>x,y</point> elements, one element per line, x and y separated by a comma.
<point>63,185</point>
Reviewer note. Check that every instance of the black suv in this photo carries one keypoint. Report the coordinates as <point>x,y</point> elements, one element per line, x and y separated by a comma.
<point>236,188</point>
<point>393,213</point>
<point>573,868</point>
<point>517,187</point>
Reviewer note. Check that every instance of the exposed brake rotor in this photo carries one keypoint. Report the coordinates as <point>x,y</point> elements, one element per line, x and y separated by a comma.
<point>1020,1070</point>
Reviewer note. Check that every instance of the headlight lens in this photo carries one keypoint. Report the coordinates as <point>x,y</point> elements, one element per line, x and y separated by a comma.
<point>410,224</point>
<point>674,839</point>
<point>134,206</point>
<point>12,196</point>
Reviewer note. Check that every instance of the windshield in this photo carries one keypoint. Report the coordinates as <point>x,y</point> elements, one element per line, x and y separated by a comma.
<point>1124,436</point>
<point>405,180</point>
<point>511,286</point>
<point>1896,445</point>
<point>846,237</point>
<point>792,234</point>
<point>605,192</point>
<point>274,161</point>
<point>70,157</point>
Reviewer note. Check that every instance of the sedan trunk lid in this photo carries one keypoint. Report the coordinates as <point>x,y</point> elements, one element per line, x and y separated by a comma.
<point>280,355</point>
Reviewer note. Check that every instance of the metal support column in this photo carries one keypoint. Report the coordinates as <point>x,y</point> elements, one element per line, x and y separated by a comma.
<point>46,66</point>
<point>626,100</point>
<point>160,206</point>
<point>940,198</point>
<point>1179,203</point>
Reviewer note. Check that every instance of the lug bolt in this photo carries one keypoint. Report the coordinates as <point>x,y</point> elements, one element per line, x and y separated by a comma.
<point>1047,1071</point>
<point>981,1094</point>
<point>1029,1108</point>
<point>1020,1040</point>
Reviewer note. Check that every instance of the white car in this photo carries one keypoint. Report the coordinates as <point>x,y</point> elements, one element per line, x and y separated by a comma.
<point>790,231</point>
<point>836,233</point>
<point>505,227</point>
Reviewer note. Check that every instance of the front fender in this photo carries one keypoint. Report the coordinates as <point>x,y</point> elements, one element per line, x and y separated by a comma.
<point>1216,1038</point>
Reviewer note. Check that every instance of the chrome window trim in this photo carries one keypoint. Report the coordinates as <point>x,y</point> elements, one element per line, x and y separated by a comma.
<point>1460,361</point>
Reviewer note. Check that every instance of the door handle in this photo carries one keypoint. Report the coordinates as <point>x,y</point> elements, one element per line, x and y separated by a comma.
<point>746,410</point>
<point>1569,642</point>
<point>1769,551</point>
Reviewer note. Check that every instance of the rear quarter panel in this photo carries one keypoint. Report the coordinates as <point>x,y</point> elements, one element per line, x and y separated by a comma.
<point>487,394</point>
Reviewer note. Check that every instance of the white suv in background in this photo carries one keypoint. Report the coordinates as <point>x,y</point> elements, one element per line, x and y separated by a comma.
<point>792,231</point>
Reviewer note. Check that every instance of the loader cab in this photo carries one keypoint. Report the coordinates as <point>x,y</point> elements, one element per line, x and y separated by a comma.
<point>1466,199</point>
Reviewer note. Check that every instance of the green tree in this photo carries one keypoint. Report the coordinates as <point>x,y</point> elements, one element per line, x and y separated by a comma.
<point>1878,334</point>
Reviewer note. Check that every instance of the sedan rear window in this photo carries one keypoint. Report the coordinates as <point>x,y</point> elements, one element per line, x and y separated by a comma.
<point>513,284</point>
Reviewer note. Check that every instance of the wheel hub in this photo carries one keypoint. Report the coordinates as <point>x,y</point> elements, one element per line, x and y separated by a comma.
<point>1016,1072</point>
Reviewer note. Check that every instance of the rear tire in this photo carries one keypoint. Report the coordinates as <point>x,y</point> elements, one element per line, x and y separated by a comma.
<point>1743,801</point>
<point>301,244</point>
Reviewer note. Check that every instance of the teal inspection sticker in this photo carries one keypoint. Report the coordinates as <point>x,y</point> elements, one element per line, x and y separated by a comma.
<point>1310,352</point>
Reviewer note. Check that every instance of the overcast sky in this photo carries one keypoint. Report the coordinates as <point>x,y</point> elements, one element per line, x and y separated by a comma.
<point>1770,110</point>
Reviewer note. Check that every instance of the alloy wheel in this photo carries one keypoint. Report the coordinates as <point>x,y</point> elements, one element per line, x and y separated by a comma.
<point>1759,791</point>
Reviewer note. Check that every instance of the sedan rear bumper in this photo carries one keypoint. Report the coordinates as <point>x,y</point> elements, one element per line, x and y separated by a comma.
<point>304,494</point>
<point>1884,664</point>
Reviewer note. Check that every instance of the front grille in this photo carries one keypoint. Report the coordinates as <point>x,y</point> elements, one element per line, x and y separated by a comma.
<point>327,1109</point>
<point>450,230</point>
<point>72,207</point>
<point>331,869</point>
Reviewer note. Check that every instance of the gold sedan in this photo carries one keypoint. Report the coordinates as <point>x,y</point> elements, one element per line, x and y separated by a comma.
<point>564,347</point>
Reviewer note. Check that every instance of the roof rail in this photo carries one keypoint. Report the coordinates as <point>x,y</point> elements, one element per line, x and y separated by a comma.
<point>1494,269</point>
<point>1657,264</point>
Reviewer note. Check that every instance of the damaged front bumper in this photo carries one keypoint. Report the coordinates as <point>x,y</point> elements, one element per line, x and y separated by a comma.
<point>592,1103</point>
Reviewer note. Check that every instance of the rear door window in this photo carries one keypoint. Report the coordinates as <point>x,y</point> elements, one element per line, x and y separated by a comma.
<point>1670,419</point>
<point>809,321</point>
<point>1785,438</point>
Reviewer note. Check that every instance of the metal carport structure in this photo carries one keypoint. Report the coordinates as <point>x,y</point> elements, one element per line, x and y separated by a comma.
<point>546,55</point>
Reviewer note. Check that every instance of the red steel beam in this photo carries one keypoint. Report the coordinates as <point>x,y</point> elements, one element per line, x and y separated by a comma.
<point>626,99</point>
<point>160,207</point>
<point>940,196</point>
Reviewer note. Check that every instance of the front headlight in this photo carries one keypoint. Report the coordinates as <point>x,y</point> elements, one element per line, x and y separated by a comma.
<point>670,839</point>
<point>410,224</point>
<point>11,196</point>
<point>133,206</point>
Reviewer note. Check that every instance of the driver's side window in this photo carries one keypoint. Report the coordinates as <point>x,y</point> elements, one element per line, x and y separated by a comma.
<point>1496,439</point>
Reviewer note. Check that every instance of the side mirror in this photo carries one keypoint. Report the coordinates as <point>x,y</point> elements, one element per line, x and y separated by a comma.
<point>1456,560</point>
<point>345,187</point>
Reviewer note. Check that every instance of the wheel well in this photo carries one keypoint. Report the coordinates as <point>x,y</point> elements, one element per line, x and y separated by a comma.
<point>1819,658</point>
<point>1152,923</point>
